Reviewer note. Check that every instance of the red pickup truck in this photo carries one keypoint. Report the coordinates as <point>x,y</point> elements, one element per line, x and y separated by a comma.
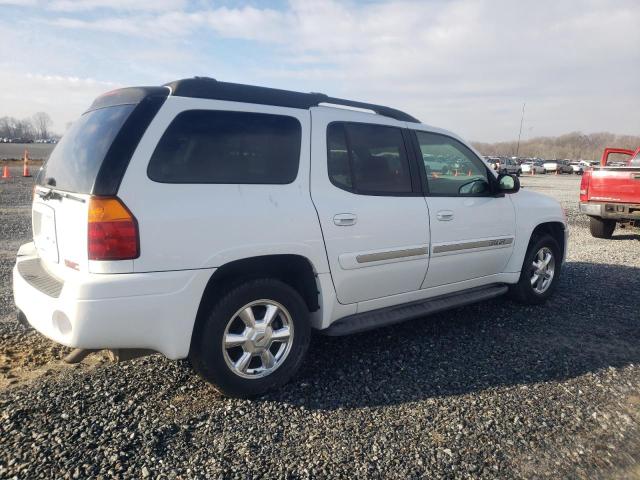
<point>610,194</point>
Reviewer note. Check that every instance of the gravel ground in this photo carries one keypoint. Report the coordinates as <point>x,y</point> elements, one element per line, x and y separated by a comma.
<point>494,390</point>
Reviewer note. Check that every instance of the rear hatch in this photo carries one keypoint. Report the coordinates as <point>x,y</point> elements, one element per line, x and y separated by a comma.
<point>64,186</point>
<point>85,167</point>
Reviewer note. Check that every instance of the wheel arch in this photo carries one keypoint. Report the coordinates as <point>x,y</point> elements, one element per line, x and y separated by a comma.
<point>525,236</point>
<point>295,270</point>
<point>557,232</point>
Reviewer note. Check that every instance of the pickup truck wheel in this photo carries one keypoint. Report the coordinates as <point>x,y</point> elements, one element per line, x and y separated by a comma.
<point>253,339</point>
<point>601,228</point>
<point>540,271</point>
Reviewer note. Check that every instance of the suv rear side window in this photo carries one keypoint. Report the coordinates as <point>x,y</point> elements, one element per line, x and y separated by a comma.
<point>368,159</point>
<point>74,163</point>
<point>450,166</point>
<point>212,146</point>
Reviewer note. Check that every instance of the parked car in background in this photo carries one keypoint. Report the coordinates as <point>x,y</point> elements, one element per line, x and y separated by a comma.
<point>509,166</point>
<point>558,166</point>
<point>533,167</point>
<point>493,162</point>
<point>610,194</point>
<point>577,167</point>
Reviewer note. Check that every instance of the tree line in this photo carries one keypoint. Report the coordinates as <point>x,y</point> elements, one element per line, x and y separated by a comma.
<point>574,146</point>
<point>34,128</point>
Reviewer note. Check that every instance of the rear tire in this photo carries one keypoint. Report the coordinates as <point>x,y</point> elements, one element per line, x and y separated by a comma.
<point>601,228</point>
<point>534,287</point>
<point>272,350</point>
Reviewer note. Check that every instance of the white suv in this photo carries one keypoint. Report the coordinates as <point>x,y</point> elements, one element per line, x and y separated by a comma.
<point>222,222</point>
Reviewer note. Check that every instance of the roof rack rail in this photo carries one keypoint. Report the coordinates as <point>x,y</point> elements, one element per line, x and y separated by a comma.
<point>210,88</point>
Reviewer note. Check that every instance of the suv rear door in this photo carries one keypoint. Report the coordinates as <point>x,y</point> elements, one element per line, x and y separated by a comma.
<point>365,186</point>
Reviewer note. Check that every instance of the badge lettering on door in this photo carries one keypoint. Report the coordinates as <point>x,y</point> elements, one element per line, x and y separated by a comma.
<point>496,242</point>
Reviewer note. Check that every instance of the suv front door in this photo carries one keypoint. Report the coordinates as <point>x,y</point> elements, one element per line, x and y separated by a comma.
<point>472,229</point>
<point>366,189</point>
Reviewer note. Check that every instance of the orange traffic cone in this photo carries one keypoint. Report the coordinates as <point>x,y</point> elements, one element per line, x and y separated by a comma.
<point>5,172</point>
<point>25,167</point>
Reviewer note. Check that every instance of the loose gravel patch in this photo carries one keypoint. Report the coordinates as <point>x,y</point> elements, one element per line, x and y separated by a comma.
<point>495,390</point>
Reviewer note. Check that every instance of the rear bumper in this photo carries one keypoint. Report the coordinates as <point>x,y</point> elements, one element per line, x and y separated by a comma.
<point>136,310</point>
<point>613,211</point>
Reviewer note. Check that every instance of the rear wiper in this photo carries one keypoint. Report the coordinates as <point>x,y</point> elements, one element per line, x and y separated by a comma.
<point>53,195</point>
<point>50,195</point>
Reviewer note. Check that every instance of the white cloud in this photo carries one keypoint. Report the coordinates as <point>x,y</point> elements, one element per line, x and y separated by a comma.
<point>32,92</point>
<point>131,5</point>
<point>165,25</point>
<point>463,64</point>
<point>18,3</point>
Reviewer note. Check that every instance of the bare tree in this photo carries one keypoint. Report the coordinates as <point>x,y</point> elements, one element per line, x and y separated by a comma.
<point>42,123</point>
<point>574,145</point>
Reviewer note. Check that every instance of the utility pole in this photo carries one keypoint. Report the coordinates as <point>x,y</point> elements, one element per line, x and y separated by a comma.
<point>520,134</point>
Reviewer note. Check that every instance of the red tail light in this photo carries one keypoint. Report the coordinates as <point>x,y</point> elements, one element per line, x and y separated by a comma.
<point>584,186</point>
<point>113,230</point>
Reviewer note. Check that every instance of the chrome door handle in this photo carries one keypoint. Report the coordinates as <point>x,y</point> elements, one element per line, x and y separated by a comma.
<point>345,219</point>
<point>444,215</point>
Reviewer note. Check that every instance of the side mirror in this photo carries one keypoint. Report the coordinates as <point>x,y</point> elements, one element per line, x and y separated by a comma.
<point>475,187</point>
<point>508,183</point>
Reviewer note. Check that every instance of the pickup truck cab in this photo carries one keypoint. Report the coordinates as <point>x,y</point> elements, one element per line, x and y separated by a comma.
<point>610,195</point>
<point>223,222</point>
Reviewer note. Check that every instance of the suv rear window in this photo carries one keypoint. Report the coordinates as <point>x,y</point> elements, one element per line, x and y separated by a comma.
<point>75,161</point>
<point>368,159</point>
<point>212,146</point>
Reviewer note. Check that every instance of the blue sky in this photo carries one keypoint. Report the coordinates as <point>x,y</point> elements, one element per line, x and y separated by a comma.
<point>466,65</point>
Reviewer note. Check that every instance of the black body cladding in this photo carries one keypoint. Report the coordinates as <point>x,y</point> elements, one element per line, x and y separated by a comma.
<point>117,159</point>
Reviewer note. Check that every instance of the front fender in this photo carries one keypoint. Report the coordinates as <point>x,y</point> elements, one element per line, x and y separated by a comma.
<point>532,209</point>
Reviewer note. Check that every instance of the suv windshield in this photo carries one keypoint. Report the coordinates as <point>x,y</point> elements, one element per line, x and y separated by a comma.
<point>75,161</point>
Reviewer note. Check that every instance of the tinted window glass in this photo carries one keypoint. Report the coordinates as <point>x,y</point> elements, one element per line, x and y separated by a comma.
<point>374,160</point>
<point>337,157</point>
<point>207,146</point>
<point>75,161</point>
<point>452,169</point>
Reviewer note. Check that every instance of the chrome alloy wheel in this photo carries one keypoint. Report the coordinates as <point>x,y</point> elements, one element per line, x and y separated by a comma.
<point>257,339</point>
<point>544,267</point>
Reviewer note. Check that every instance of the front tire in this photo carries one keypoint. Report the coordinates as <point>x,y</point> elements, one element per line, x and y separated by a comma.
<point>253,339</point>
<point>540,271</point>
<point>601,228</point>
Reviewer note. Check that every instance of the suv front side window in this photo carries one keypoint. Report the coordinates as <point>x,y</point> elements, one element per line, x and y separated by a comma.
<point>452,169</point>
<point>368,159</point>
